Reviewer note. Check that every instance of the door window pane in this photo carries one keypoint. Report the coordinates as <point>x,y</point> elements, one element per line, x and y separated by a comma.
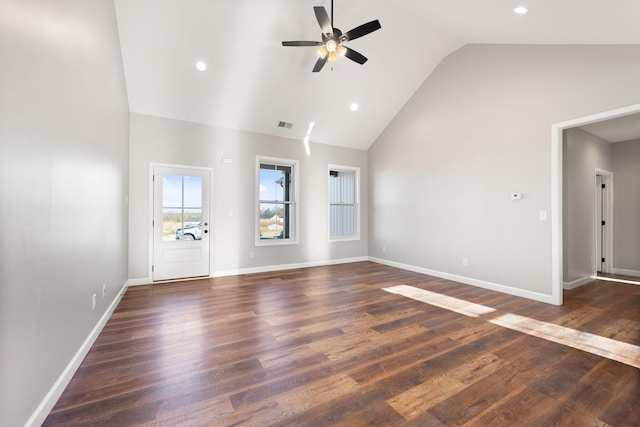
<point>181,207</point>
<point>192,192</point>
<point>171,191</point>
<point>171,221</point>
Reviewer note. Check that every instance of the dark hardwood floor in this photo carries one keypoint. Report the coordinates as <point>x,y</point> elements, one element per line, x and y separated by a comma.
<point>328,346</point>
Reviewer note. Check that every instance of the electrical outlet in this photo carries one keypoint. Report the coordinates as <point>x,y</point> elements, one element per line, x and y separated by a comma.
<point>252,254</point>
<point>384,248</point>
<point>465,262</point>
<point>104,290</point>
<point>93,302</point>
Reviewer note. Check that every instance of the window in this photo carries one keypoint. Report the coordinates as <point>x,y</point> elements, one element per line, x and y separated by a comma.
<point>181,207</point>
<point>344,189</point>
<point>277,194</point>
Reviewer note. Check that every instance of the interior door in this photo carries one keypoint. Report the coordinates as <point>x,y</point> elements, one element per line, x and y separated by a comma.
<point>599,228</point>
<point>180,223</point>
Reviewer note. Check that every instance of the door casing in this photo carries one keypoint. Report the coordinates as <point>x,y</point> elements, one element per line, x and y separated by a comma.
<point>603,211</point>
<point>556,189</point>
<point>152,167</point>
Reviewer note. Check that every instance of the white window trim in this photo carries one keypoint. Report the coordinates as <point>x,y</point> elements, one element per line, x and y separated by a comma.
<point>296,184</point>
<point>356,236</point>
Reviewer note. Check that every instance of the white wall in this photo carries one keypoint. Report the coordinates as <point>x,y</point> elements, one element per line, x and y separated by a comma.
<point>584,153</point>
<point>626,208</point>
<point>63,180</point>
<point>159,140</point>
<point>475,131</point>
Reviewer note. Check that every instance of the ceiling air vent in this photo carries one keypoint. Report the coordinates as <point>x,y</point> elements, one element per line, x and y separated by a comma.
<point>285,125</point>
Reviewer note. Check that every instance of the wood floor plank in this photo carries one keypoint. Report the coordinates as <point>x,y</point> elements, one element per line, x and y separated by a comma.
<point>476,398</point>
<point>327,346</point>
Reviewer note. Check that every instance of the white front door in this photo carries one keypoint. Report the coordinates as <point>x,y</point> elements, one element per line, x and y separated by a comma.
<point>180,222</point>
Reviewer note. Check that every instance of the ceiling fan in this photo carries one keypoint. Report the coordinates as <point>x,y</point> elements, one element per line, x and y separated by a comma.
<point>331,45</point>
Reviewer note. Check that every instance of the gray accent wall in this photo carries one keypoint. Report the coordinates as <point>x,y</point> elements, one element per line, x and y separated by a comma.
<point>478,129</point>
<point>583,154</point>
<point>233,214</point>
<point>626,207</point>
<point>64,126</point>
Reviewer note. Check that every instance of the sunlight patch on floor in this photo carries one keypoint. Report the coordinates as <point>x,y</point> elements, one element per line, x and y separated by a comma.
<point>443,301</point>
<point>611,279</point>
<point>586,341</point>
<point>595,344</point>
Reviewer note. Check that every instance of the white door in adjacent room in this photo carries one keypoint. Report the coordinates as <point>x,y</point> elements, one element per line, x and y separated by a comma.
<point>180,222</point>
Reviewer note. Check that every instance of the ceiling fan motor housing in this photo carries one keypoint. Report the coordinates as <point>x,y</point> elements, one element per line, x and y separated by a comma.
<point>336,38</point>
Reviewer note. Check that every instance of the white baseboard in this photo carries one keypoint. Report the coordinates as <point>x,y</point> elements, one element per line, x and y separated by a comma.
<point>626,272</point>
<point>139,282</point>
<point>469,281</point>
<point>268,268</point>
<point>264,269</point>
<point>578,282</point>
<point>50,399</point>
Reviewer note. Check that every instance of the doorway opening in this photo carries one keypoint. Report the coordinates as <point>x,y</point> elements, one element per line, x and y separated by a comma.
<point>603,225</point>
<point>557,186</point>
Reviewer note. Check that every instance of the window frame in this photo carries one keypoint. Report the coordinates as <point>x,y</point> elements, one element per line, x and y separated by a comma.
<point>294,165</point>
<point>355,204</point>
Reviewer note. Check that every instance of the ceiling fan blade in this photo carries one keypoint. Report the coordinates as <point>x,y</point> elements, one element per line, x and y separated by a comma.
<point>301,43</point>
<point>355,56</point>
<point>319,64</point>
<point>362,30</point>
<point>323,20</point>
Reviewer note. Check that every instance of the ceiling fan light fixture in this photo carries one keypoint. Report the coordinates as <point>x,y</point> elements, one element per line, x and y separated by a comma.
<point>330,48</point>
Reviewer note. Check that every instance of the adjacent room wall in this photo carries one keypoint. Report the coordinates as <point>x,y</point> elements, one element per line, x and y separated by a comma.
<point>63,181</point>
<point>167,141</point>
<point>478,129</point>
<point>626,208</point>
<point>583,154</point>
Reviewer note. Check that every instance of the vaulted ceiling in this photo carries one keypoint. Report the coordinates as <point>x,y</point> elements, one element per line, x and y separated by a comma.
<point>252,82</point>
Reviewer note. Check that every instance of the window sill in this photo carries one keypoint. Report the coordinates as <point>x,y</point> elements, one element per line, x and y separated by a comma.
<point>276,242</point>
<point>343,239</point>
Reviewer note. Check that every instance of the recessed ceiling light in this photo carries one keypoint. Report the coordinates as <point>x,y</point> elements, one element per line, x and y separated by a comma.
<point>200,65</point>
<point>354,107</point>
<point>520,10</point>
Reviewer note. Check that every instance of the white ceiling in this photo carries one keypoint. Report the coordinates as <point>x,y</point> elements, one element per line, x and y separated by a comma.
<point>252,82</point>
<point>620,129</point>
